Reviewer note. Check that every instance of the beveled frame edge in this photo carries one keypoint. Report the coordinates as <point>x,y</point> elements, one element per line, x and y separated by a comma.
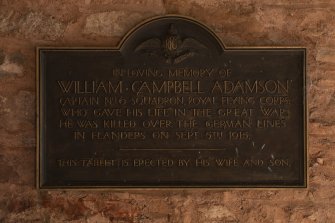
<point>39,114</point>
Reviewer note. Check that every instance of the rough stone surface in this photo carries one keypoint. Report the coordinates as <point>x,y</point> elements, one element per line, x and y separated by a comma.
<point>111,23</point>
<point>30,23</point>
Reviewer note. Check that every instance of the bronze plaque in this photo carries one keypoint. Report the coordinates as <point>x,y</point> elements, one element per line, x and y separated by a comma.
<point>171,106</point>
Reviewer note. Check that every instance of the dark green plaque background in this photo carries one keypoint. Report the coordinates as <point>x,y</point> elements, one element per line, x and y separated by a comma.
<point>146,47</point>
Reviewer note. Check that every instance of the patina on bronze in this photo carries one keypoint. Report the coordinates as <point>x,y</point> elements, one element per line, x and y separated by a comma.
<point>171,106</point>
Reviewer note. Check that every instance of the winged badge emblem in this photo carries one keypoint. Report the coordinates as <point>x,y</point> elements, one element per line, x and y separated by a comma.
<point>172,48</point>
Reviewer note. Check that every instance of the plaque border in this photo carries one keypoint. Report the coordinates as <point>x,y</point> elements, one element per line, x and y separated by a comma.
<point>39,113</point>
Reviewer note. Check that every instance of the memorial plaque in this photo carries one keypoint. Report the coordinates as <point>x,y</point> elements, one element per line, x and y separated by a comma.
<point>171,106</point>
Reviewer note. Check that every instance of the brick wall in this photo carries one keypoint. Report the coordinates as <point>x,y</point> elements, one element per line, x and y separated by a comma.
<point>30,23</point>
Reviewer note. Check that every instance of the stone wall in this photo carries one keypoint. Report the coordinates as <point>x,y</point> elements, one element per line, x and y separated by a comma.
<point>26,24</point>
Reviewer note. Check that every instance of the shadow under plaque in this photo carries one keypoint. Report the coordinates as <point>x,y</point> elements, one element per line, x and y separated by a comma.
<point>171,106</point>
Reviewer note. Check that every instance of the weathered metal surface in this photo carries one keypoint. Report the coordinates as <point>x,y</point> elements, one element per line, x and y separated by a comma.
<point>171,107</point>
